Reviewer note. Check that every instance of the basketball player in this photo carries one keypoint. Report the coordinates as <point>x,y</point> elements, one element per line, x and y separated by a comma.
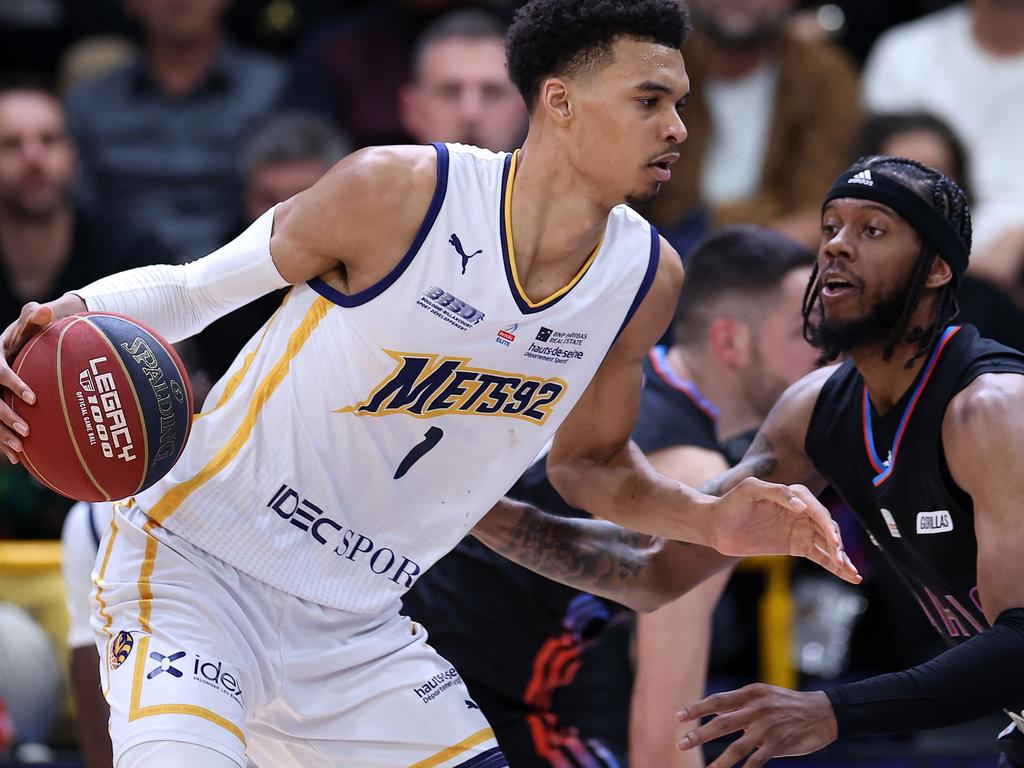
<point>252,596</point>
<point>920,430</point>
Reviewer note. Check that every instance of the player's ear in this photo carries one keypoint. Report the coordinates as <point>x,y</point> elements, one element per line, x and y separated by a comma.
<point>730,341</point>
<point>939,274</point>
<point>554,99</point>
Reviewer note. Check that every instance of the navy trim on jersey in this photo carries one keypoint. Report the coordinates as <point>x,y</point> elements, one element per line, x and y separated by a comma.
<point>492,758</point>
<point>648,281</point>
<point>375,290</point>
<point>90,511</point>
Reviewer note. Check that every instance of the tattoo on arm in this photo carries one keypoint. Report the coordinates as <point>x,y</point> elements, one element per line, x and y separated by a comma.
<point>561,549</point>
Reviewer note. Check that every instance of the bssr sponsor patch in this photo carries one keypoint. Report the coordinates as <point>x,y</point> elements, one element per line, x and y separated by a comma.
<point>438,684</point>
<point>447,307</point>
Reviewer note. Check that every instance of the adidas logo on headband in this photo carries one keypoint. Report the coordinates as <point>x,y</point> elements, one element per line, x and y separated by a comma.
<point>864,177</point>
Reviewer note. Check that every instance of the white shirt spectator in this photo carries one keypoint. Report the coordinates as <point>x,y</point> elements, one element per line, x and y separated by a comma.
<point>935,64</point>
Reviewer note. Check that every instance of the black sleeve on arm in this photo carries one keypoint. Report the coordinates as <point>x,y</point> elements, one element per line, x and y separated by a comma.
<point>966,682</point>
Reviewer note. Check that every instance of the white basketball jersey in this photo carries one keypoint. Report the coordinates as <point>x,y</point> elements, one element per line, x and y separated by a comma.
<point>357,438</point>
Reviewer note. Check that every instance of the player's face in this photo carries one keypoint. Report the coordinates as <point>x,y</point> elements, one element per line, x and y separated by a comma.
<point>781,354</point>
<point>463,94</point>
<point>866,260</point>
<point>37,162</point>
<point>626,125</point>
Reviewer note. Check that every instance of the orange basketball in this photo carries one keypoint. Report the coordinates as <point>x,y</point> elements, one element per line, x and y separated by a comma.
<point>113,406</point>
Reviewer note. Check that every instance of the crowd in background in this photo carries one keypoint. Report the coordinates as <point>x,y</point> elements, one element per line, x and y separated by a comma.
<point>136,132</point>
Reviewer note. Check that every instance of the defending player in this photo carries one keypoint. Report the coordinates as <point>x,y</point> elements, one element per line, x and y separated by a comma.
<point>920,430</point>
<point>390,402</point>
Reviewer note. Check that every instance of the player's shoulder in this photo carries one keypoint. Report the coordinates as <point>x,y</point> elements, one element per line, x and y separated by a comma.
<point>992,401</point>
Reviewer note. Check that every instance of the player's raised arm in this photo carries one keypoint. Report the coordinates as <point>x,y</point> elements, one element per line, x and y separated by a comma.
<point>335,229</point>
<point>595,467</point>
<point>983,438</point>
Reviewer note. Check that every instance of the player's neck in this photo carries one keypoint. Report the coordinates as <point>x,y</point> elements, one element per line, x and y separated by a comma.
<point>718,384</point>
<point>555,217</point>
<point>888,377</point>
<point>887,380</point>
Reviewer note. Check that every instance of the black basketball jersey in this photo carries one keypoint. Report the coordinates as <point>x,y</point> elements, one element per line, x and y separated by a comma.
<point>891,470</point>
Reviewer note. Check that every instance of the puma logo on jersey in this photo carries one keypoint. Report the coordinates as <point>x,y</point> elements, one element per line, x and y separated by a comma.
<point>939,521</point>
<point>425,386</point>
<point>457,245</point>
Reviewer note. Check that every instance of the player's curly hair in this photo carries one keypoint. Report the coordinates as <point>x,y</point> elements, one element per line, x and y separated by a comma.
<point>555,37</point>
<point>945,196</point>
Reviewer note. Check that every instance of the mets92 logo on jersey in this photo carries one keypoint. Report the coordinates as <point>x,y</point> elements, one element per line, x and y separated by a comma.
<point>424,386</point>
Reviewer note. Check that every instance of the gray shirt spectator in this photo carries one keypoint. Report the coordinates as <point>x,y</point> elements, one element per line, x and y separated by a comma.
<point>170,164</point>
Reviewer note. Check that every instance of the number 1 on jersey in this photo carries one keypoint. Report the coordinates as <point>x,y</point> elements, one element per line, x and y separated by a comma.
<point>430,439</point>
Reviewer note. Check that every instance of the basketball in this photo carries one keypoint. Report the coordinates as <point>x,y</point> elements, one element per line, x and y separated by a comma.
<point>113,406</point>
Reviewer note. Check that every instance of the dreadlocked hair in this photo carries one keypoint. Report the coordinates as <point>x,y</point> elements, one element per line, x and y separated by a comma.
<point>945,196</point>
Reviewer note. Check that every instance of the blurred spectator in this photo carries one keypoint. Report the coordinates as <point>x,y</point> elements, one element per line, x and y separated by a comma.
<point>856,24</point>
<point>94,56</point>
<point>352,69</point>
<point>771,120</point>
<point>460,90</point>
<point>47,247</point>
<point>287,153</point>
<point>160,138</point>
<point>965,64</point>
<point>927,139</point>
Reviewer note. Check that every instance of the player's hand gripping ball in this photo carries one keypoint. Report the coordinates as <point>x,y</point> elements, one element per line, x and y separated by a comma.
<point>113,406</point>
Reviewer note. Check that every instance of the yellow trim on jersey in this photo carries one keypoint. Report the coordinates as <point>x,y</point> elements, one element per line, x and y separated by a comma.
<point>174,497</point>
<point>512,251</point>
<point>455,750</point>
<point>135,710</point>
<point>238,376</point>
<point>98,581</point>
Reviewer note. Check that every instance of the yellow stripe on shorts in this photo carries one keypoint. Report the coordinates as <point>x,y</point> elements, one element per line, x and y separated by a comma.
<point>455,750</point>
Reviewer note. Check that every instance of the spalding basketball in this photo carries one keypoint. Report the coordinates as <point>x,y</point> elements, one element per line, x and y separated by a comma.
<point>113,406</point>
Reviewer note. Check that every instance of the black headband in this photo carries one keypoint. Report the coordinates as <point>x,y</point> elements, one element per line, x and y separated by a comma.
<point>934,228</point>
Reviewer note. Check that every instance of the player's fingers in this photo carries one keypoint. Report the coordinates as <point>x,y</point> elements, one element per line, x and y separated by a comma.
<point>841,567</point>
<point>11,423</point>
<point>11,455</point>
<point>714,729</point>
<point>715,704</point>
<point>738,750</point>
<point>760,757</point>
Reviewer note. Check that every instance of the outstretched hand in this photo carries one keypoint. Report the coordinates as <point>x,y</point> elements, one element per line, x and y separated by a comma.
<point>759,518</point>
<point>776,722</point>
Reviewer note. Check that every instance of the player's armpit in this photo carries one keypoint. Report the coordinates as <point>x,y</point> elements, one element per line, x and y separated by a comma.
<point>983,439</point>
<point>636,570</point>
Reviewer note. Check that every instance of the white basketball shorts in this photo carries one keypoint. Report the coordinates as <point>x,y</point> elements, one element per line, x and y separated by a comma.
<point>193,650</point>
